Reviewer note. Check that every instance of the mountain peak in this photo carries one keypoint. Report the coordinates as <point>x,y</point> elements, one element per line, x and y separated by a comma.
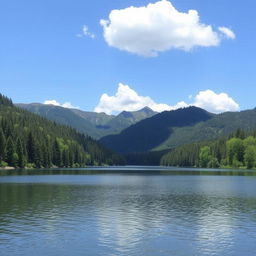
<point>146,110</point>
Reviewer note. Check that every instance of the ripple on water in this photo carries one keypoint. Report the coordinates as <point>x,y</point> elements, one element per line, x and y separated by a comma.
<point>128,215</point>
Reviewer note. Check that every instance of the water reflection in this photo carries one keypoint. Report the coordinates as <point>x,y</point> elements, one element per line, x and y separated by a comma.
<point>127,215</point>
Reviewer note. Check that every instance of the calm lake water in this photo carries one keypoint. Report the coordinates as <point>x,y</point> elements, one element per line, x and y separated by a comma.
<point>128,211</point>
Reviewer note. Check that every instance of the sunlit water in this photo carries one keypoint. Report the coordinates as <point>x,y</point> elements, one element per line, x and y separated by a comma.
<point>112,212</point>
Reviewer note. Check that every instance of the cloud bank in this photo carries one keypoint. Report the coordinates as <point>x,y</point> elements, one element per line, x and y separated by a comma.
<point>56,103</point>
<point>129,100</point>
<point>159,27</point>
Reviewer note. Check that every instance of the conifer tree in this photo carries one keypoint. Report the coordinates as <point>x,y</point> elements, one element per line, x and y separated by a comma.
<point>35,141</point>
<point>57,158</point>
<point>31,148</point>
<point>11,157</point>
<point>20,153</point>
<point>2,145</point>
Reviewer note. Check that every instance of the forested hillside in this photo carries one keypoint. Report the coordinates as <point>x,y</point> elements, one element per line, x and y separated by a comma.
<point>82,121</point>
<point>93,124</point>
<point>236,150</point>
<point>219,125</point>
<point>152,132</point>
<point>29,140</point>
<point>172,129</point>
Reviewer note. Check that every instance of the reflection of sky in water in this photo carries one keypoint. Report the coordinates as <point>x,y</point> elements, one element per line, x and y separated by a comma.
<point>215,232</point>
<point>129,215</point>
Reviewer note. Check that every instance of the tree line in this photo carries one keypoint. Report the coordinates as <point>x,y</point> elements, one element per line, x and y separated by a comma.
<point>237,150</point>
<point>27,140</point>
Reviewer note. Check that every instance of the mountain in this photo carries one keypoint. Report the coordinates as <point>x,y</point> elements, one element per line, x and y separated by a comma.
<point>175,128</point>
<point>94,124</point>
<point>218,126</point>
<point>84,122</point>
<point>27,139</point>
<point>152,132</point>
<point>126,119</point>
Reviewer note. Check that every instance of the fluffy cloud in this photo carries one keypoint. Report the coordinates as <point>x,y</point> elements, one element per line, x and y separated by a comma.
<point>129,100</point>
<point>56,103</point>
<point>215,103</point>
<point>156,28</point>
<point>227,32</point>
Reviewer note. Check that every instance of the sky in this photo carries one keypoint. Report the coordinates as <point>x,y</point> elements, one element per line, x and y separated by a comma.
<point>109,56</point>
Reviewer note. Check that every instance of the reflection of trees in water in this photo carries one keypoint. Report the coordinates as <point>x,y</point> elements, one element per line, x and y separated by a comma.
<point>126,208</point>
<point>140,198</point>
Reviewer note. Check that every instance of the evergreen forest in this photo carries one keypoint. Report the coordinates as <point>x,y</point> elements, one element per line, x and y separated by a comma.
<point>28,140</point>
<point>235,151</point>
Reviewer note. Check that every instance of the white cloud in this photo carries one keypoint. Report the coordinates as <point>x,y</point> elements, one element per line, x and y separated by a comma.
<point>129,100</point>
<point>86,32</point>
<point>56,103</point>
<point>227,32</point>
<point>157,27</point>
<point>215,103</point>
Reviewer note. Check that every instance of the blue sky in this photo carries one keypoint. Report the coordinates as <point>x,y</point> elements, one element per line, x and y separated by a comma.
<point>43,56</point>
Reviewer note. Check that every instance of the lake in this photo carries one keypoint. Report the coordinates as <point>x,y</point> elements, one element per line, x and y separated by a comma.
<point>128,211</point>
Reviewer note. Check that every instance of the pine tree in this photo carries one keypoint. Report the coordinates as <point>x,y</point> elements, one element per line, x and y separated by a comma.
<point>57,158</point>
<point>65,158</point>
<point>38,158</point>
<point>2,145</point>
<point>11,155</point>
<point>20,153</point>
<point>41,142</point>
<point>31,148</point>
<point>46,162</point>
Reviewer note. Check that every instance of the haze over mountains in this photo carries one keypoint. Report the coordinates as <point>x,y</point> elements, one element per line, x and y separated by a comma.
<point>94,124</point>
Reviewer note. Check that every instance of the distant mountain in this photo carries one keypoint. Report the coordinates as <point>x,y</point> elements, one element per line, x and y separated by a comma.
<point>152,132</point>
<point>94,124</point>
<point>219,125</point>
<point>126,119</point>
<point>175,128</point>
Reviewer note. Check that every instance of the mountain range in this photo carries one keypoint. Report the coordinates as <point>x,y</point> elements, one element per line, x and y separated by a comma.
<point>170,129</point>
<point>94,124</point>
<point>147,131</point>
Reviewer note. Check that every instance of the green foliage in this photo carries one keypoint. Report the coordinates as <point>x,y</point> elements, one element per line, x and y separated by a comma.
<point>93,124</point>
<point>250,156</point>
<point>235,151</point>
<point>238,151</point>
<point>187,155</point>
<point>249,141</point>
<point>5,100</point>
<point>2,145</point>
<point>27,140</point>
<point>3,164</point>
<point>21,154</point>
<point>204,156</point>
<point>11,156</point>
<point>213,163</point>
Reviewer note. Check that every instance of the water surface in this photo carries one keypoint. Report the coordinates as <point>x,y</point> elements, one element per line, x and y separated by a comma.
<point>133,211</point>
